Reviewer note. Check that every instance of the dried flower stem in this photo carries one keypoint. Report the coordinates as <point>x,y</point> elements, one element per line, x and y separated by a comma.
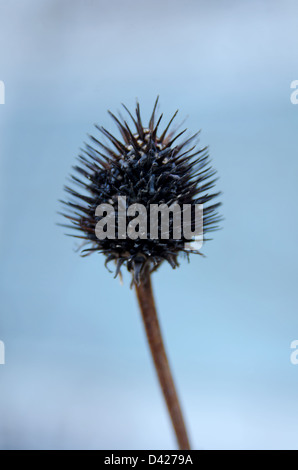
<point>154,336</point>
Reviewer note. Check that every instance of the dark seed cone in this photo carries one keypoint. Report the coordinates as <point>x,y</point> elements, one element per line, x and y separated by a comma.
<point>147,167</point>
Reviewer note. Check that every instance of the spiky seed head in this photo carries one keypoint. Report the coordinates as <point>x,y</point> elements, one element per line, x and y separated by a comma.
<point>147,167</point>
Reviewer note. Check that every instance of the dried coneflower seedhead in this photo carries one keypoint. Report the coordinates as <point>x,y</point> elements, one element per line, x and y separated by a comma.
<point>145,166</point>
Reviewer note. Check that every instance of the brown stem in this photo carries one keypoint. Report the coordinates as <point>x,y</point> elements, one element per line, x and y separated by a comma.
<point>150,319</point>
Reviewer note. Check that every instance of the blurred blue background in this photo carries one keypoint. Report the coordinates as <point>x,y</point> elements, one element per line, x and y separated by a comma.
<point>78,373</point>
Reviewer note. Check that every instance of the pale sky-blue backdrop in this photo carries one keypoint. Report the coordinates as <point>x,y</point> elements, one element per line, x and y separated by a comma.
<point>78,372</point>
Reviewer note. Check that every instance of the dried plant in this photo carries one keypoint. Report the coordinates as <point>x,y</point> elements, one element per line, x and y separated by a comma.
<point>146,167</point>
